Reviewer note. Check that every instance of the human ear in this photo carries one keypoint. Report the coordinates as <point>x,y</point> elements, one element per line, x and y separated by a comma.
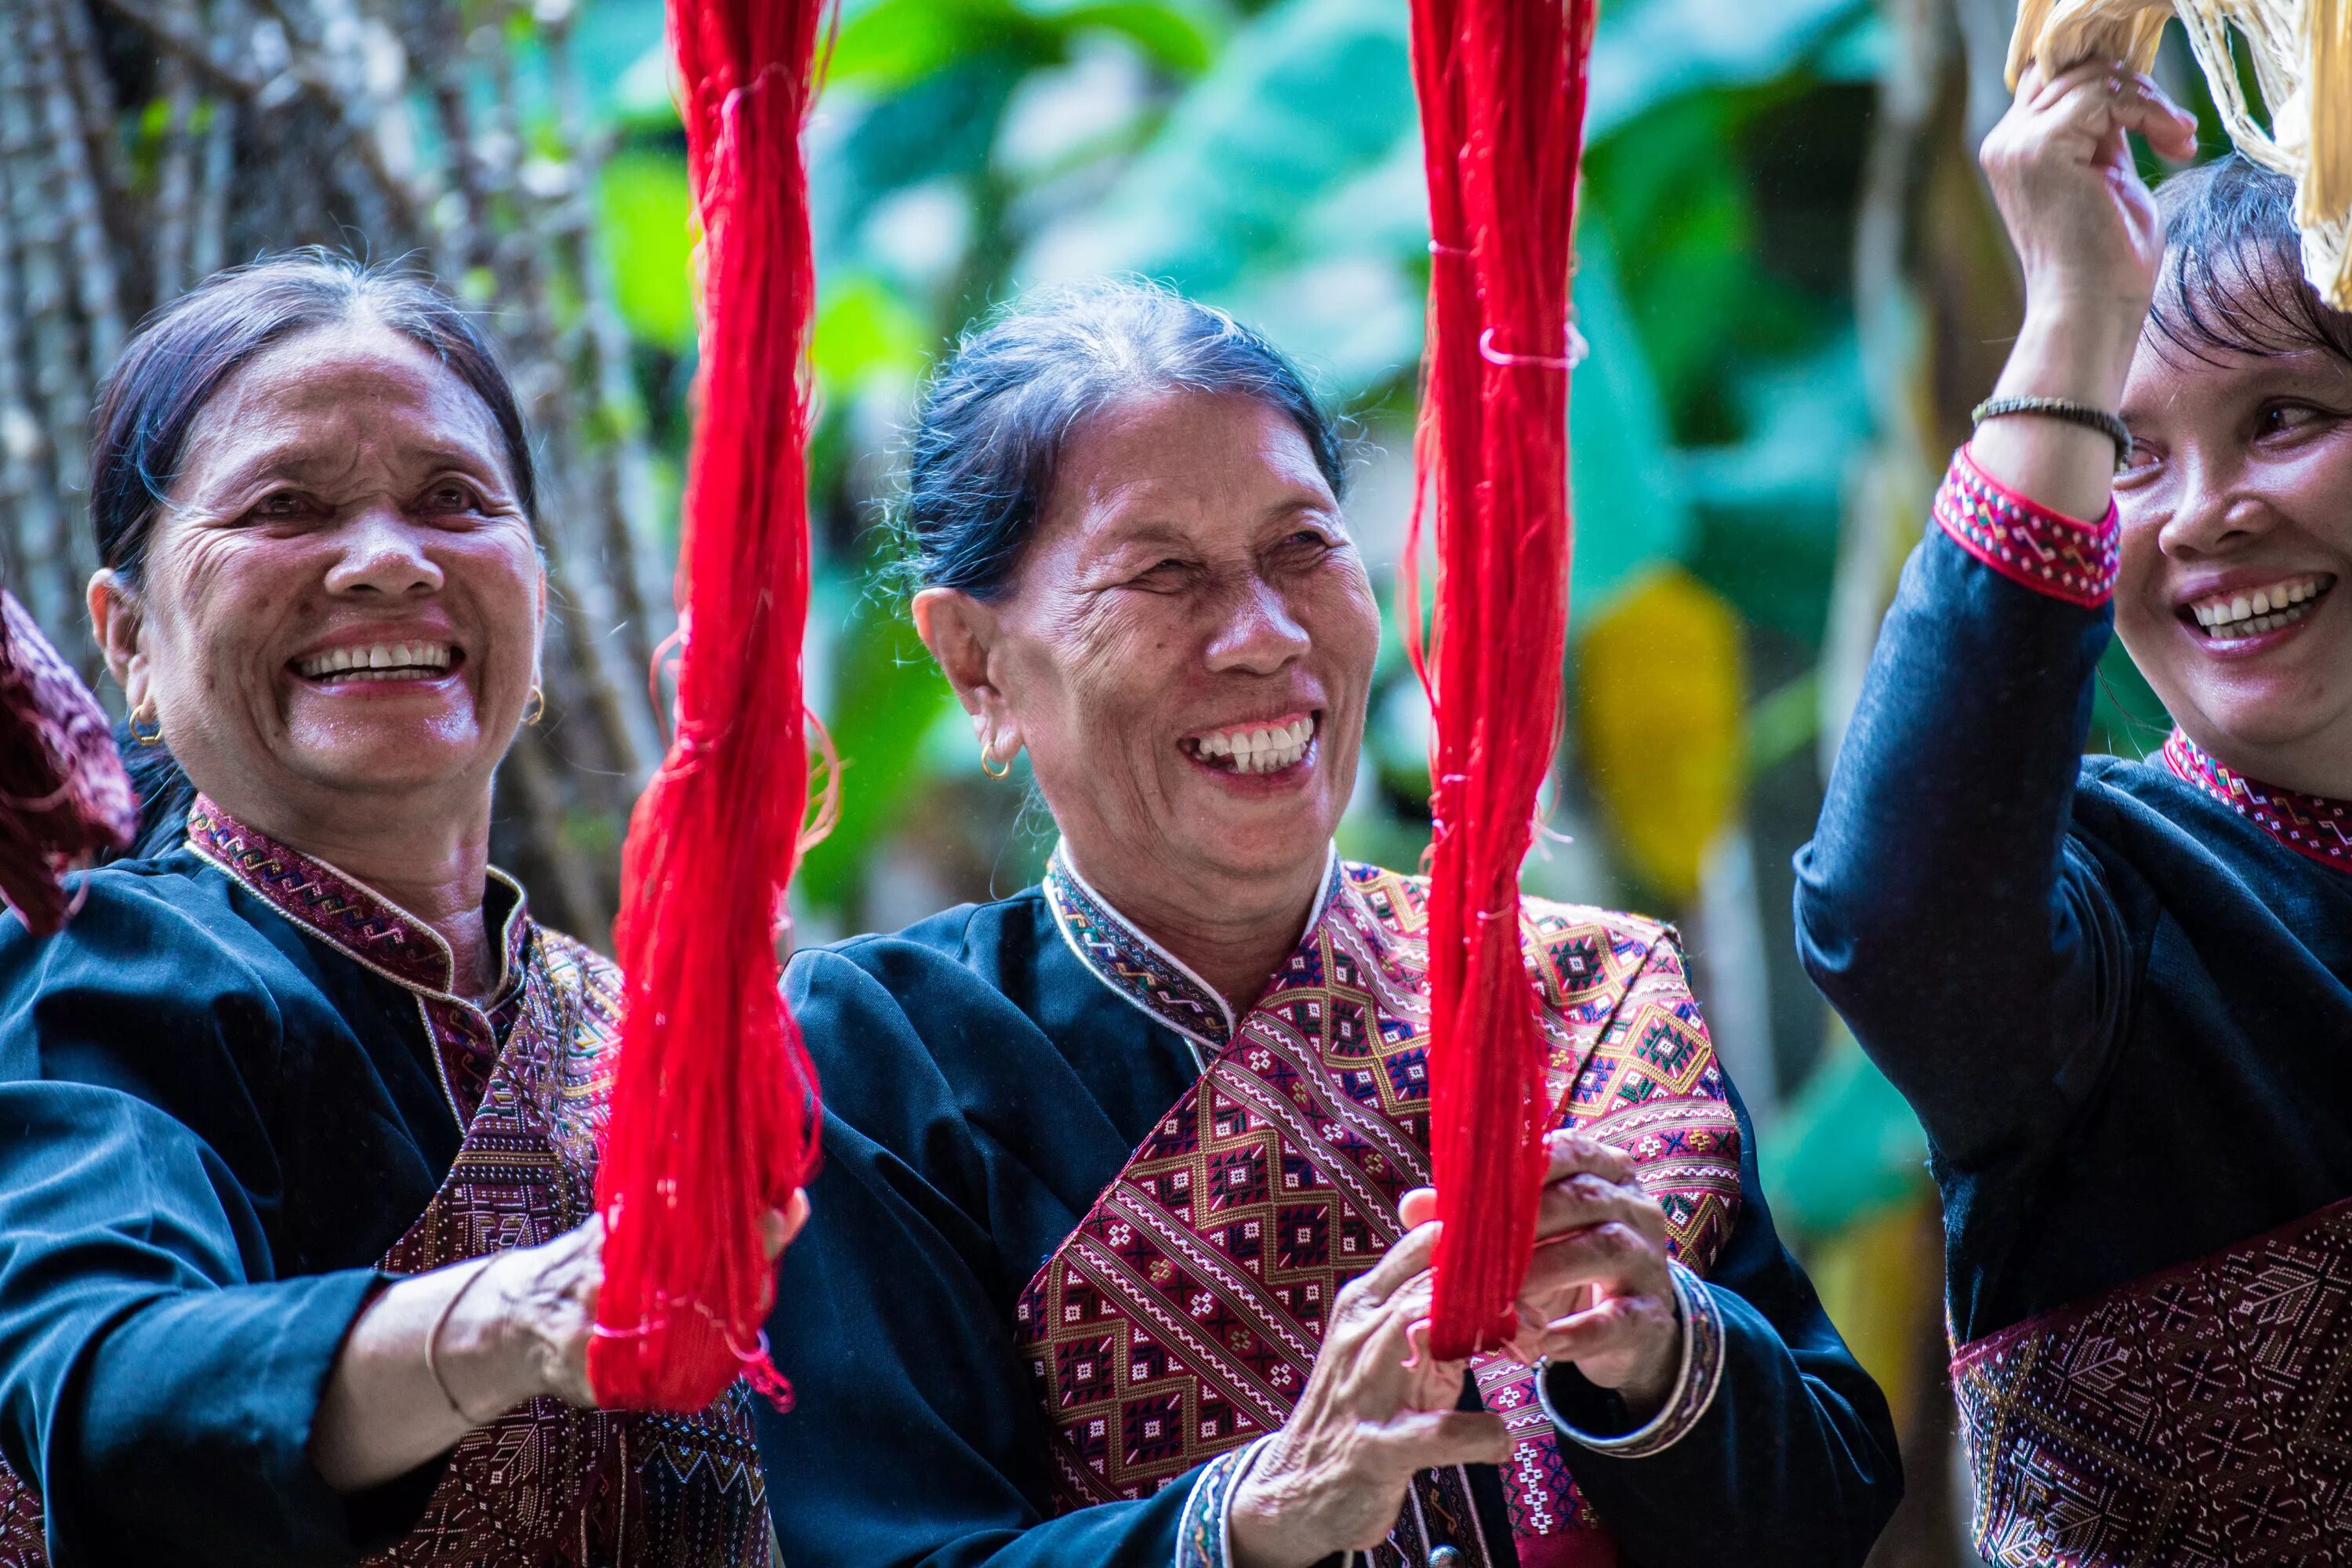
<point>960,631</point>
<point>118,617</point>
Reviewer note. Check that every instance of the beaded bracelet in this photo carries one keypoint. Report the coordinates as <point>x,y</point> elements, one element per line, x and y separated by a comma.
<point>2073,412</point>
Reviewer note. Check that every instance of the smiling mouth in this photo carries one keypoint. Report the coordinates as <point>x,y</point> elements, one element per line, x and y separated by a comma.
<point>381,661</point>
<point>2224,618</point>
<point>1254,748</point>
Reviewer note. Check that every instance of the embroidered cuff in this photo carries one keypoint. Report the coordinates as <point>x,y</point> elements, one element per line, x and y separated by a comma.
<point>1204,1532</point>
<point>1696,1381</point>
<point>2047,551</point>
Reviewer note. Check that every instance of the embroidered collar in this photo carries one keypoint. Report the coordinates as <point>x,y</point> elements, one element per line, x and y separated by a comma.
<point>1141,971</point>
<point>2312,826</point>
<point>352,917</point>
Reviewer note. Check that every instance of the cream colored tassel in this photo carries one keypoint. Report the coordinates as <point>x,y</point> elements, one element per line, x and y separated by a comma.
<point>2301,51</point>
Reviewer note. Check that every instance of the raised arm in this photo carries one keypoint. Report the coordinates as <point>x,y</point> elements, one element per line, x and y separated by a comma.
<point>1941,907</point>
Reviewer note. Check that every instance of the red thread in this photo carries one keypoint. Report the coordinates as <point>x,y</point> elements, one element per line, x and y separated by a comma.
<point>1501,84</point>
<point>715,1106</point>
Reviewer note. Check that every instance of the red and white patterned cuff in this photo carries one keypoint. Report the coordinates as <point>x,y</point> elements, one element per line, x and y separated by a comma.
<point>1697,1379</point>
<point>2048,551</point>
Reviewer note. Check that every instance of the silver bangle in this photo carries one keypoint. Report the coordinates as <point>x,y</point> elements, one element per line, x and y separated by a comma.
<point>432,1348</point>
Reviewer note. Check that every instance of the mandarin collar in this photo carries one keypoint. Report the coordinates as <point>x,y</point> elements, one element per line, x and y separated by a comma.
<point>349,916</point>
<point>2312,826</point>
<point>1142,973</point>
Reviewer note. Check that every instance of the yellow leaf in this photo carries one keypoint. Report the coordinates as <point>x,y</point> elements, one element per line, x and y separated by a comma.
<point>1659,683</point>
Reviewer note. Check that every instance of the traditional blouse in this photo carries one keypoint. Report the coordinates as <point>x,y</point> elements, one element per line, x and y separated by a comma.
<point>2117,995</point>
<point>1079,1226</point>
<point>238,1096</point>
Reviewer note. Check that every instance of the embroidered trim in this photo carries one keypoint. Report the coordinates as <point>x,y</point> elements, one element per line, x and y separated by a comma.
<point>2312,826</point>
<point>379,936</point>
<point>1697,1379</point>
<point>1205,1536</point>
<point>2047,551</point>
<point>2193,1416</point>
<point>1144,973</point>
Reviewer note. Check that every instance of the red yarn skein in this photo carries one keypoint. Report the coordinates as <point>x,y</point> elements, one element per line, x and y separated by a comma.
<point>715,1106</point>
<point>1502,88</point>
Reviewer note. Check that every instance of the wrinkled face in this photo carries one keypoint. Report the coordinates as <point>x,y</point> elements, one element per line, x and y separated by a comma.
<point>2237,535</point>
<point>1189,648</point>
<point>342,593</point>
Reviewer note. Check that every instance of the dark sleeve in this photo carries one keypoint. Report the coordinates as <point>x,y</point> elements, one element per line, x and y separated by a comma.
<point>1793,1463</point>
<point>157,1381</point>
<point>915,1435</point>
<point>1969,943</point>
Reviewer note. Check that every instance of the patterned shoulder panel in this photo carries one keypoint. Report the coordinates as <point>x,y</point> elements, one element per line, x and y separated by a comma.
<point>586,991</point>
<point>1630,1047</point>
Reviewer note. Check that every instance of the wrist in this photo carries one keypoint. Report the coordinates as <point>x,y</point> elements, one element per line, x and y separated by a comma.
<point>485,1365</point>
<point>2074,350</point>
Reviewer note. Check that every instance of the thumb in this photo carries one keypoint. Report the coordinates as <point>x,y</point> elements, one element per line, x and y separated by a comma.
<point>1434,1439</point>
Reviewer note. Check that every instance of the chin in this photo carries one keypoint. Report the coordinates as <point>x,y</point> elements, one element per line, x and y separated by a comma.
<point>373,763</point>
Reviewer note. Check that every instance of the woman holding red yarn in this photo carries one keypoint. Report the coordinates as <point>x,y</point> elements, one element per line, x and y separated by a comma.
<point>1124,1249</point>
<point>298,1114</point>
<point>2119,994</point>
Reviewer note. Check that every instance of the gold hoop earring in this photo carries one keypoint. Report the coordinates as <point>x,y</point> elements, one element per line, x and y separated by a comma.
<point>535,706</point>
<point>147,737</point>
<point>988,756</point>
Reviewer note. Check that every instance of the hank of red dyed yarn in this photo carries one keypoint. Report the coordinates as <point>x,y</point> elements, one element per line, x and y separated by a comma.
<point>714,1107</point>
<point>63,794</point>
<point>1501,85</point>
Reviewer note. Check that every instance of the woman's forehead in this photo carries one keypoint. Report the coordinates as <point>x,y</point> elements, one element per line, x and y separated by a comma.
<point>313,400</point>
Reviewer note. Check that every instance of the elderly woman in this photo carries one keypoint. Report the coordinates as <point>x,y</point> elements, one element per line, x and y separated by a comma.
<point>296,1256</point>
<point>1124,1241</point>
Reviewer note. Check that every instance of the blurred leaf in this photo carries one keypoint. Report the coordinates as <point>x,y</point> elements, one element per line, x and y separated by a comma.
<point>885,694</point>
<point>646,216</point>
<point>1630,514</point>
<point>1847,1148</point>
<point>883,45</point>
<point>1307,94</point>
<point>864,330</point>
<point>1660,678</point>
<point>1647,53</point>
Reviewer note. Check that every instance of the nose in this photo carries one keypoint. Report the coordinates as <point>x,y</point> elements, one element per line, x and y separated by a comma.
<point>380,553</point>
<point>1259,635</point>
<point>2213,514</point>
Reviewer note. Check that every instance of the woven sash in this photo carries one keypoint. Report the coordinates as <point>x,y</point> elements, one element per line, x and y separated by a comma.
<point>1181,1319</point>
<point>2199,1417</point>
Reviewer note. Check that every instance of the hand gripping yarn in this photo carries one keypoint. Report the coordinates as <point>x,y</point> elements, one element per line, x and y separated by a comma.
<point>1501,90</point>
<point>715,1106</point>
<point>2301,55</point>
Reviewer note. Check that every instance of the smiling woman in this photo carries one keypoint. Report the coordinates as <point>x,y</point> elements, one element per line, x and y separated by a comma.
<point>295,1234</point>
<point>1126,1244</point>
<point>2118,993</point>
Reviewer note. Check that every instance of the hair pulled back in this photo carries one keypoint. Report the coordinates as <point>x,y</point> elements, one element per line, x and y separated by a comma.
<point>996,416</point>
<point>178,360</point>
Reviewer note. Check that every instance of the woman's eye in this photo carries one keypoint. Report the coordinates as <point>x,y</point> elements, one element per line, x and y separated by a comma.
<point>1162,574</point>
<point>283,504</point>
<point>454,498</point>
<point>2283,418</point>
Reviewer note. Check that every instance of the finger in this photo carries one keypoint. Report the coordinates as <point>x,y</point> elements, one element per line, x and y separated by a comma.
<point>778,1226</point>
<point>2055,85</point>
<point>1586,1200</point>
<point>2143,106</point>
<point>1406,1258</point>
<point>1619,1323</point>
<point>1574,1152</point>
<point>1613,1256</point>
<point>1434,1439</point>
<point>1417,1207</point>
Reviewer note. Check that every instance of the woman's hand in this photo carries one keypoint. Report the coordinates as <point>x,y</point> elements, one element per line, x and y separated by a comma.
<point>2091,245</point>
<point>1598,1293</point>
<point>1377,1408</point>
<point>438,1354</point>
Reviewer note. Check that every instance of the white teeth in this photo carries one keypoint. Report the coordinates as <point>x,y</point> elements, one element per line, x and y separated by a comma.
<point>2262,603</point>
<point>374,656</point>
<point>1262,750</point>
<point>2263,610</point>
